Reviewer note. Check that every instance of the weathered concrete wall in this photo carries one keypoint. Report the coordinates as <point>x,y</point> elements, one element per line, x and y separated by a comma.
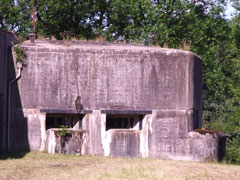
<point>6,40</point>
<point>167,128</point>
<point>171,136</point>
<point>125,143</point>
<point>74,143</point>
<point>94,124</point>
<point>163,85</point>
<point>163,135</point>
<point>28,130</point>
<point>203,147</point>
<point>110,77</point>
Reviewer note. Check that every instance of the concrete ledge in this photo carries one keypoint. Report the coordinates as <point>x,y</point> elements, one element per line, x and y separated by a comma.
<point>73,143</point>
<point>57,111</point>
<point>126,111</point>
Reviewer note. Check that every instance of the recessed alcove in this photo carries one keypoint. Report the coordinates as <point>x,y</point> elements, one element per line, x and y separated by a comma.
<point>124,121</point>
<point>73,121</point>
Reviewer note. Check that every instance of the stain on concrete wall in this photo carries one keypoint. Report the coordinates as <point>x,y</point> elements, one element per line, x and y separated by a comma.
<point>125,143</point>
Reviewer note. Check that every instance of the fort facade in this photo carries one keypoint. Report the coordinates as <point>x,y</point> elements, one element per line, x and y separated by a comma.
<point>118,100</point>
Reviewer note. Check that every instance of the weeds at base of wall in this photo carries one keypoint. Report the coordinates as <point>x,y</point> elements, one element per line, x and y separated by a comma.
<point>64,135</point>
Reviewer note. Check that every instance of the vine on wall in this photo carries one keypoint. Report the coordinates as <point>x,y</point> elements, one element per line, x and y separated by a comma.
<point>20,53</point>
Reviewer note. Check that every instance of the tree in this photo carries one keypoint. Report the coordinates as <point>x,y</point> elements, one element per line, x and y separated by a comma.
<point>15,15</point>
<point>62,18</point>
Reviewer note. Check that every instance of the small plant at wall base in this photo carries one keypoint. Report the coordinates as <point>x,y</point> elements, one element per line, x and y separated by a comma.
<point>64,133</point>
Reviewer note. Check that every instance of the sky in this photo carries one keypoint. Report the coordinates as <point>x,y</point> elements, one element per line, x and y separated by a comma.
<point>229,10</point>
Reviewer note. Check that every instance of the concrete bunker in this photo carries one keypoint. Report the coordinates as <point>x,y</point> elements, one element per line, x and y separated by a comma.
<point>135,101</point>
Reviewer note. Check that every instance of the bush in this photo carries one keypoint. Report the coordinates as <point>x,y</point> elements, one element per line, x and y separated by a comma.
<point>233,148</point>
<point>232,129</point>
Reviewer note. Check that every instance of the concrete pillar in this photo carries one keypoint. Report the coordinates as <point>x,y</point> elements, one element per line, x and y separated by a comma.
<point>28,130</point>
<point>95,126</point>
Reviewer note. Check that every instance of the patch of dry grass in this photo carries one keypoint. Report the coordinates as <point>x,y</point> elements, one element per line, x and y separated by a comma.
<point>43,166</point>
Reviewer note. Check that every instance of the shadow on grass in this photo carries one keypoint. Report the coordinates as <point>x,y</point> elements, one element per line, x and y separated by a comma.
<point>15,155</point>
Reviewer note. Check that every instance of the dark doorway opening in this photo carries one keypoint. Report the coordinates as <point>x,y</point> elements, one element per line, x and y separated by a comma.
<point>124,121</point>
<point>73,121</point>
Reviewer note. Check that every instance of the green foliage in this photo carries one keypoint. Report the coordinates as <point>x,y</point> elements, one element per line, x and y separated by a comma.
<point>58,16</point>
<point>232,129</point>
<point>236,4</point>
<point>64,133</point>
<point>20,53</point>
<point>233,148</point>
<point>15,15</point>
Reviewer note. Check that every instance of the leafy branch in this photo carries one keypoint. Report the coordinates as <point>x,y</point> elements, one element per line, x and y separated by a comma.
<point>64,133</point>
<point>20,53</point>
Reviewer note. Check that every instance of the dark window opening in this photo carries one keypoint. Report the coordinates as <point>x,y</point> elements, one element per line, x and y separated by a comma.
<point>70,120</point>
<point>124,121</point>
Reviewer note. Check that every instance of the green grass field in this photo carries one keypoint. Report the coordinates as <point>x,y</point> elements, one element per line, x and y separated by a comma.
<point>43,166</point>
